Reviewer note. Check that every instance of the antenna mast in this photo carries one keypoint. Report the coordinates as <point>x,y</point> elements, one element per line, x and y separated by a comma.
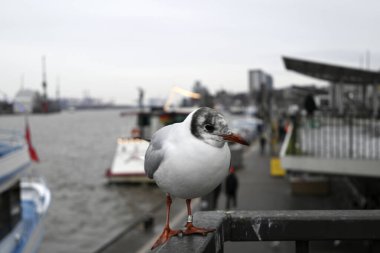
<point>45,106</point>
<point>44,83</point>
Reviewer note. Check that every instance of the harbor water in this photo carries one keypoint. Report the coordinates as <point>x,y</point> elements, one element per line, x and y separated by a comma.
<point>75,149</point>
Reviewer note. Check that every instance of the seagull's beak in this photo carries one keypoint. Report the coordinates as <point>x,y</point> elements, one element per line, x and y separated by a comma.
<point>234,138</point>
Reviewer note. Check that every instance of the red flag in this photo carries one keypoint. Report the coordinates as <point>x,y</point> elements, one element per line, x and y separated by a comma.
<point>32,151</point>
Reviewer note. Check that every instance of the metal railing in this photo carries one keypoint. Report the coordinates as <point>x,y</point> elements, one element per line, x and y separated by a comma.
<point>339,137</point>
<point>299,226</point>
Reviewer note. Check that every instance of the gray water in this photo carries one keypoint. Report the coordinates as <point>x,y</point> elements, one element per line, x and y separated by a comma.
<point>75,149</point>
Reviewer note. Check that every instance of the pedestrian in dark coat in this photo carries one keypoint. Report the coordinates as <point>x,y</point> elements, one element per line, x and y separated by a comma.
<point>231,188</point>
<point>310,105</point>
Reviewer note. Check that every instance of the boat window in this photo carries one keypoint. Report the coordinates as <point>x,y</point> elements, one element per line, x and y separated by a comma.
<point>10,209</point>
<point>143,120</point>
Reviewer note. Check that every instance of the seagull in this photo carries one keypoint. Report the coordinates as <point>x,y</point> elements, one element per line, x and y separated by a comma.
<point>188,160</point>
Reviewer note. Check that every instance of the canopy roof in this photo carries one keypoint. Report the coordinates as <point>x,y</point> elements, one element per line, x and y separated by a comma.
<point>332,73</point>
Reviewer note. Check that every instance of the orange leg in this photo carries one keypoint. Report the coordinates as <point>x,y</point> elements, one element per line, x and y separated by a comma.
<point>167,232</point>
<point>190,228</point>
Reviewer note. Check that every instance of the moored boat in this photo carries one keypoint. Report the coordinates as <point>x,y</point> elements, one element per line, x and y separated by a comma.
<point>23,200</point>
<point>128,162</point>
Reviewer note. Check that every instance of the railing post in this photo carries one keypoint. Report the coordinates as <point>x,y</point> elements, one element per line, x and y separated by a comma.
<point>350,136</point>
<point>302,246</point>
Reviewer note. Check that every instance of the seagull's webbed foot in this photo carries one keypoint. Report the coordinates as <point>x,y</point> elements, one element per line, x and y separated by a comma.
<point>191,229</point>
<point>165,236</point>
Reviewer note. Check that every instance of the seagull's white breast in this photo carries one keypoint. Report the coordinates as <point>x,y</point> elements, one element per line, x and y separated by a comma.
<point>191,168</point>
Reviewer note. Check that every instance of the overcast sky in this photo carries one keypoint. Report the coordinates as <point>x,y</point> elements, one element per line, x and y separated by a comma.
<point>109,48</point>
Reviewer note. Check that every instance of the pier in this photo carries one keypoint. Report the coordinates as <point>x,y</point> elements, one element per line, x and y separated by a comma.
<point>323,224</point>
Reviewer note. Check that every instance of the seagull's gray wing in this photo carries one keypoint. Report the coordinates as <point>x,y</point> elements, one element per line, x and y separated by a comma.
<point>153,157</point>
<point>155,152</point>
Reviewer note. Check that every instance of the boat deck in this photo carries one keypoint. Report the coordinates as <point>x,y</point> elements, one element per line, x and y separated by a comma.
<point>6,149</point>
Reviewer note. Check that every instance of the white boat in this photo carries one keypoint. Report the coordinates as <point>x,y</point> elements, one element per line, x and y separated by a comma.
<point>23,200</point>
<point>128,162</point>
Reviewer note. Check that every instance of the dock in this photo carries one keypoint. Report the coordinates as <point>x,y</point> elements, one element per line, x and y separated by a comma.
<point>258,193</point>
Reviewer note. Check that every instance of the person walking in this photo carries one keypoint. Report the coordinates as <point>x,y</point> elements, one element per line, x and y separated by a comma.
<point>232,185</point>
<point>263,142</point>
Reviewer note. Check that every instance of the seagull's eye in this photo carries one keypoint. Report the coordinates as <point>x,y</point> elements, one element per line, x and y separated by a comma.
<point>209,128</point>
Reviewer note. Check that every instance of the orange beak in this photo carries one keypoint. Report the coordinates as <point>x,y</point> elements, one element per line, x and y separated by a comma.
<point>234,138</point>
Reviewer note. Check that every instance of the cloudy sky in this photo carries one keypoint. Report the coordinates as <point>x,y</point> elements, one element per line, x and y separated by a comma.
<point>109,48</point>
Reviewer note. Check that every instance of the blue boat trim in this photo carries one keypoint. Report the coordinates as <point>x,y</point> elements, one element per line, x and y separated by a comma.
<point>30,220</point>
<point>6,149</point>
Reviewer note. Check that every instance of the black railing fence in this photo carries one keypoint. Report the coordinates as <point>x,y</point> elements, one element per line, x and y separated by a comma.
<point>338,137</point>
<point>290,225</point>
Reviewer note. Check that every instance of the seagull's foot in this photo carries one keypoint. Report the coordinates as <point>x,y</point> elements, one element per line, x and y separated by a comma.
<point>190,229</point>
<point>165,236</point>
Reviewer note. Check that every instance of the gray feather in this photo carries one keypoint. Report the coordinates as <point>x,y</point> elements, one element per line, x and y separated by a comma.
<point>155,152</point>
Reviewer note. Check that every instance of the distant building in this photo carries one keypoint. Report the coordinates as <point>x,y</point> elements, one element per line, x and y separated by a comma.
<point>258,80</point>
<point>27,101</point>
<point>156,102</point>
<point>236,103</point>
<point>5,106</point>
<point>351,90</point>
<point>260,86</point>
<point>81,103</point>
<point>206,98</point>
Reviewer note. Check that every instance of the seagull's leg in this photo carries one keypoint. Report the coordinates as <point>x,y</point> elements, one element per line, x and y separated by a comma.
<point>167,232</point>
<point>190,228</point>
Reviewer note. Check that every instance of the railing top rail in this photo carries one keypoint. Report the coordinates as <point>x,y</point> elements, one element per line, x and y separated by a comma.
<point>283,225</point>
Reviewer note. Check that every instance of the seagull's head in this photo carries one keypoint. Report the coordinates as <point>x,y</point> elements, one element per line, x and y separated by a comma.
<point>211,127</point>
